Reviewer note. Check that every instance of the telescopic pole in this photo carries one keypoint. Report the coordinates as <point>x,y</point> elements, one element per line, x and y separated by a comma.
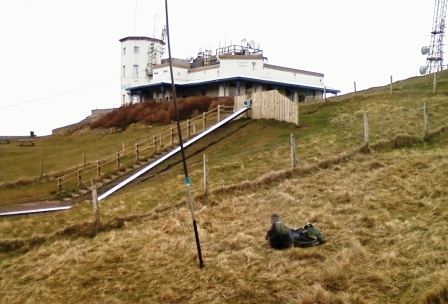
<point>187,179</point>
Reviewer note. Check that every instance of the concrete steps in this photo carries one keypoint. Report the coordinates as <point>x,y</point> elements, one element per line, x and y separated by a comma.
<point>105,181</point>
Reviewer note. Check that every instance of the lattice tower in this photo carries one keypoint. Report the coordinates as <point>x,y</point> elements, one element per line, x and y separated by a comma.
<point>434,59</point>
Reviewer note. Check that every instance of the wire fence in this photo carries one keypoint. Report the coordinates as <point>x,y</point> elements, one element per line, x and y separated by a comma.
<point>347,134</point>
<point>341,134</point>
<point>250,163</point>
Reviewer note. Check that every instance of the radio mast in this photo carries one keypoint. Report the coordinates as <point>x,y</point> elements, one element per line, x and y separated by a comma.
<point>434,52</point>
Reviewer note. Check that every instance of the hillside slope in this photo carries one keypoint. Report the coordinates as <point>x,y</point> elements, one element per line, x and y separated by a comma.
<point>382,208</point>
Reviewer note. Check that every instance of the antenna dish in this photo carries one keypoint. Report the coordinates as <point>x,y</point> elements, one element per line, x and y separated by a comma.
<point>189,58</point>
<point>423,70</point>
<point>252,44</point>
<point>425,50</point>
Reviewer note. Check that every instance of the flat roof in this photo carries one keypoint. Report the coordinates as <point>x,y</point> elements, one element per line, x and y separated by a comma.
<point>141,38</point>
<point>317,87</point>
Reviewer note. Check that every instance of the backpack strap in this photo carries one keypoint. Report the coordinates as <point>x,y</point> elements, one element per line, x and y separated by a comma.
<point>313,232</point>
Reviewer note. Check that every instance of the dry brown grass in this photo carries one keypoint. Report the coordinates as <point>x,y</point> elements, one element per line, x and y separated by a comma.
<point>382,208</point>
<point>384,215</point>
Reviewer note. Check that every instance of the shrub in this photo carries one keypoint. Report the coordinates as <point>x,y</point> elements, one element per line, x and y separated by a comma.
<point>151,112</point>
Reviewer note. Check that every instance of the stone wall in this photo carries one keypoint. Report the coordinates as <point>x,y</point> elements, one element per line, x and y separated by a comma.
<point>96,114</point>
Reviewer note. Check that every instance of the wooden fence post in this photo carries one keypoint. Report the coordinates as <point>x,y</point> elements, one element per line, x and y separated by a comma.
<point>354,85</point>
<point>172,136</point>
<point>434,85</point>
<point>205,161</point>
<point>219,113</point>
<point>293,152</point>
<point>41,175</point>
<point>79,177</point>
<point>96,209</point>
<point>366,129</point>
<point>188,129</point>
<point>123,147</point>
<point>425,118</point>
<point>59,185</point>
<point>136,152</point>
<point>98,169</point>
<point>154,143</point>
<point>204,121</point>
<point>118,161</point>
<point>391,85</point>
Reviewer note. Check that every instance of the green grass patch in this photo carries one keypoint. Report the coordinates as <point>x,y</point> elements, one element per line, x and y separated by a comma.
<point>382,209</point>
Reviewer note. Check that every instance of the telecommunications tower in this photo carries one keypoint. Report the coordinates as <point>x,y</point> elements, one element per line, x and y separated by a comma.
<point>434,52</point>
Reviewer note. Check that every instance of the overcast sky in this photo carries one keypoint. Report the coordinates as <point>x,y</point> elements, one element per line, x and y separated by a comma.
<point>61,59</point>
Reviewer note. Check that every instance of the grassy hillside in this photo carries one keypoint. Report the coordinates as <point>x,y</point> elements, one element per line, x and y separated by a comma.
<point>383,211</point>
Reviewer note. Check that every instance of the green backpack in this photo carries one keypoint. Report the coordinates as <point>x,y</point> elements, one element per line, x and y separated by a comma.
<point>307,236</point>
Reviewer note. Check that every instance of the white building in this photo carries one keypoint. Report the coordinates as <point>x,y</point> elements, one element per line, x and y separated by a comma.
<point>228,71</point>
<point>138,57</point>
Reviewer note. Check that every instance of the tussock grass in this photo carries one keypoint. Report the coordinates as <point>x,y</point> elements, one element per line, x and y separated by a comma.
<point>382,208</point>
<point>385,242</point>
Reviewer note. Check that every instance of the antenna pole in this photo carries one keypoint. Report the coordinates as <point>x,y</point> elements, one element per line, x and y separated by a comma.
<point>187,179</point>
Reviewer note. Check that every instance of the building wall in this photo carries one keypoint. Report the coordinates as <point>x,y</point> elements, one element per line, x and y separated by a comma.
<point>241,65</point>
<point>293,75</point>
<point>143,53</point>
<point>162,74</point>
<point>290,82</point>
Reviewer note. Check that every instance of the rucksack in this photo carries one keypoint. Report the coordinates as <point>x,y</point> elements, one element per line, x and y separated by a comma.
<point>279,236</point>
<point>307,236</point>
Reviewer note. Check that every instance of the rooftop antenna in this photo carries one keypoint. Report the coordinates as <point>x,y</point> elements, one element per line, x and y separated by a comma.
<point>164,33</point>
<point>187,179</point>
<point>154,32</point>
<point>434,52</point>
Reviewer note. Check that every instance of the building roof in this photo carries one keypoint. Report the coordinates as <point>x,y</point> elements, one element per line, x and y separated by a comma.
<point>142,38</point>
<point>319,87</point>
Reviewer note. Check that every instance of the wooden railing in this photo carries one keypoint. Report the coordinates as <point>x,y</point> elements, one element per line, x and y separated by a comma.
<point>128,157</point>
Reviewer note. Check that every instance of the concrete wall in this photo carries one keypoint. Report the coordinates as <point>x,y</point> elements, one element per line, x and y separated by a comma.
<point>96,114</point>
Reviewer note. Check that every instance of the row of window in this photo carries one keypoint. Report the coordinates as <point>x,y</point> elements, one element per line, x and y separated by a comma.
<point>134,71</point>
<point>136,50</point>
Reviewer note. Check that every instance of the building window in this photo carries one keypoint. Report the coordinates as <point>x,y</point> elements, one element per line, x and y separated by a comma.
<point>124,51</point>
<point>135,73</point>
<point>136,49</point>
<point>124,71</point>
